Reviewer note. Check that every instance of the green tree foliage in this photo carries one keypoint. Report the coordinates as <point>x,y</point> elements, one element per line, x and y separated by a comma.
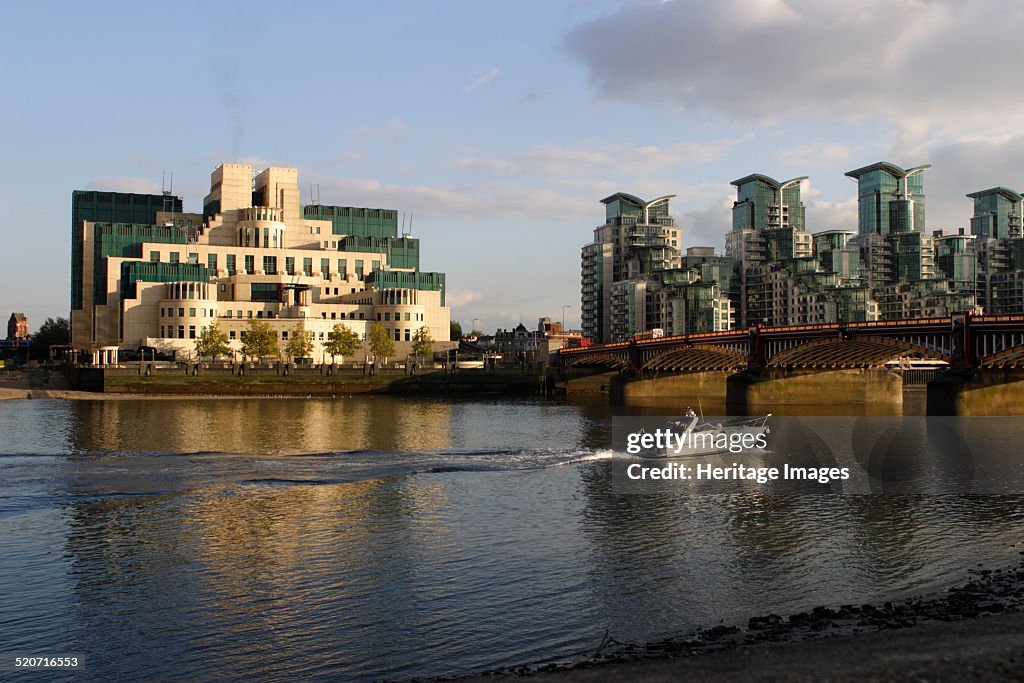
<point>51,332</point>
<point>259,340</point>
<point>212,342</point>
<point>342,341</point>
<point>381,345</point>
<point>456,334</point>
<point>300,342</point>
<point>422,342</point>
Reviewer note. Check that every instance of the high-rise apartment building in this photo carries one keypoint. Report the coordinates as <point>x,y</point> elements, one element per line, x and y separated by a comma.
<point>146,274</point>
<point>889,198</point>
<point>997,213</point>
<point>763,203</point>
<point>768,227</point>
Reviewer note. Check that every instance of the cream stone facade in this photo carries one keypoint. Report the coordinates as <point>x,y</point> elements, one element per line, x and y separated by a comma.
<point>253,254</point>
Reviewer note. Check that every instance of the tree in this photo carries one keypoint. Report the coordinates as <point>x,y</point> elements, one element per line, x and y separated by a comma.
<point>342,341</point>
<point>381,345</point>
<point>456,333</point>
<point>422,343</point>
<point>212,342</point>
<point>259,340</point>
<point>300,342</point>
<point>50,333</point>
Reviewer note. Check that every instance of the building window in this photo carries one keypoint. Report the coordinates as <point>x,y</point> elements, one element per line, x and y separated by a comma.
<point>325,268</point>
<point>248,314</point>
<point>342,268</point>
<point>387,315</point>
<point>154,256</point>
<point>211,262</point>
<point>359,269</point>
<point>270,265</point>
<point>231,334</point>
<point>161,330</point>
<point>289,265</point>
<point>181,312</point>
<point>231,264</point>
<point>398,334</point>
<point>193,258</point>
<point>376,265</point>
<point>250,264</point>
<point>191,331</point>
<point>407,316</point>
<point>227,314</point>
<point>284,334</point>
<point>181,331</point>
<point>174,257</point>
<point>307,266</point>
<point>192,312</point>
<point>407,334</point>
<point>333,314</point>
<point>259,314</point>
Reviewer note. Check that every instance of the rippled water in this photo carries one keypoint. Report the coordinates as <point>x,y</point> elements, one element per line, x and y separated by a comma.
<point>373,537</point>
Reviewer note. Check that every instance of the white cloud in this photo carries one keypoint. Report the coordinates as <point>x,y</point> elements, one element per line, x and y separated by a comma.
<point>483,202</point>
<point>707,227</point>
<point>572,161</point>
<point>810,154</point>
<point>485,78</point>
<point>945,65</point>
<point>458,298</point>
<point>125,184</point>
<point>828,215</point>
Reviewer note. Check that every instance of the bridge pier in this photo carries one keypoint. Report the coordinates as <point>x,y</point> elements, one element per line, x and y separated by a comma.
<point>709,384</point>
<point>986,391</point>
<point>760,389</point>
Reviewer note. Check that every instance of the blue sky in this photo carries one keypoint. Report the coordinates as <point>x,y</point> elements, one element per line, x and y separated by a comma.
<point>498,126</point>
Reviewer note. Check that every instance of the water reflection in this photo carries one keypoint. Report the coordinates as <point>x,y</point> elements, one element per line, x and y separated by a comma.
<point>383,538</point>
<point>261,426</point>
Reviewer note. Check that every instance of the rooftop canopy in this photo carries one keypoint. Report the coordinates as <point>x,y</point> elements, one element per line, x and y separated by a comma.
<point>1005,191</point>
<point>890,168</point>
<point>768,181</point>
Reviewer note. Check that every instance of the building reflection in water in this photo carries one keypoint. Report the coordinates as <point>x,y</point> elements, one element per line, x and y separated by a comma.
<point>261,426</point>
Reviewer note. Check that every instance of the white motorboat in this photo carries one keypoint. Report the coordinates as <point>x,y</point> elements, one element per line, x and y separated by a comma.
<point>692,435</point>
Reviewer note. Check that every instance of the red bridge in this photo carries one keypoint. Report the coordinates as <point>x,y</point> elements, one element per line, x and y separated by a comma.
<point>963,341</point>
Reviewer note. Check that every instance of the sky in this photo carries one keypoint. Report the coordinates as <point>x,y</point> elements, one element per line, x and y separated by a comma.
<point>497,128</point>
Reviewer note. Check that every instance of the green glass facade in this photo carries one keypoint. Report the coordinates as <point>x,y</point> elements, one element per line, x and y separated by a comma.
<point>403,279</point>
<point>997,213</point>
<point>351,220</point>
<point>109,207</point>
<point>403,252</point>
<point>133,272</point>
<point>125,240</point>
<point>763,203</point>
<point>889,199</point>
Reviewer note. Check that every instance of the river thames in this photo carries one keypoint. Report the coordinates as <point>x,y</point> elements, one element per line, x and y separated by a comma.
<point>392,538</point>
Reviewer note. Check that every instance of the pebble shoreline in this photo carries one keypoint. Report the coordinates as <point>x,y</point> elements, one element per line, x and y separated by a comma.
<point>988,592</point>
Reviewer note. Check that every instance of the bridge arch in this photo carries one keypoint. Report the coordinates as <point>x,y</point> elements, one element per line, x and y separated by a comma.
<point>855,352</point>
<point>1012,357</point>
<point>696,358</point>
<point>606,360</point>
